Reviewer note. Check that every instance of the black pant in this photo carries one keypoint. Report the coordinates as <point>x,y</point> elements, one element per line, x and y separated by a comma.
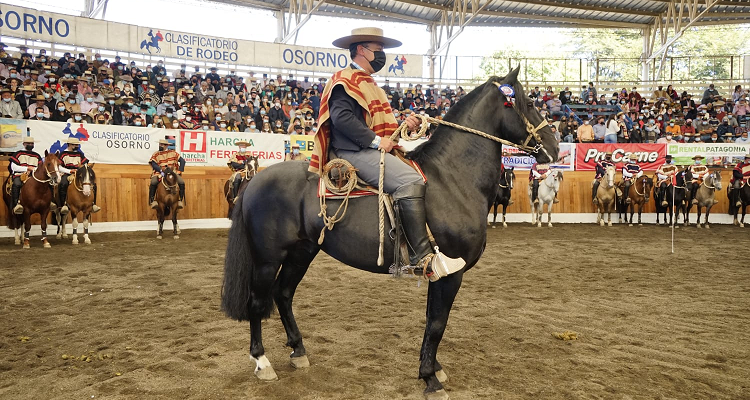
<point>534,189</point>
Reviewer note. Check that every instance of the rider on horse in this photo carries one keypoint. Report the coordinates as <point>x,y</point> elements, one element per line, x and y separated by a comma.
<point>72,159</point>
<point>356,121</point>
<point>22,162</point>
<point>665,174</point>
<point>698,171</point>
<point>740,176</point>
<point>537,174</point>
<point>601,170</point>
<point>630,172</point>
<point>164,158</point>
<point>237,164</point>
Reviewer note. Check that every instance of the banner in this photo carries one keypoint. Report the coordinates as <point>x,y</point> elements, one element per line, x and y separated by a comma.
<point>28,23</point>
<point>215,149</point>
<point>305,142</point>
<point>107,144</point>
<point>519,159</point>
<point>12,132</point>
<point>715,153</point>
<point>648,155</point>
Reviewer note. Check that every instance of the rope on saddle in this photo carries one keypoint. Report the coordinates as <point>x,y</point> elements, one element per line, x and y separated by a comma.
<point>350,178</point>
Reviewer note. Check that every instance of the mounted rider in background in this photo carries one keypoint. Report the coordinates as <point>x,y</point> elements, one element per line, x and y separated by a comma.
<point>237,164</point>
<point>161,159</point>
<point>630,172</point>
<point>72,159</point>
<point>22,162</point>
<point>601,170</point>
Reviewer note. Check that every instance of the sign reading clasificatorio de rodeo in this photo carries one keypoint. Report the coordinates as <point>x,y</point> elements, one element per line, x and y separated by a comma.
<point>28,23</point>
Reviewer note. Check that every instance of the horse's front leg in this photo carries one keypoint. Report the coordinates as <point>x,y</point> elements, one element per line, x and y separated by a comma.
<point>440,296</point>
<point>708,211</point>
<point>175,229</point>
<point>742,221</point>
<point>494,214</point>
<point>549,215</point>
<point>44,216</point>
<point>86,229</point>
<point>75,222</point>
<point>160,218</point>
<point>698,212</point>
<point>26,229</point>
<point>505,207</point>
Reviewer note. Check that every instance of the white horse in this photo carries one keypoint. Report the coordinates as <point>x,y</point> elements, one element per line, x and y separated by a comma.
<point>606,197</point>
<point>548,189</point>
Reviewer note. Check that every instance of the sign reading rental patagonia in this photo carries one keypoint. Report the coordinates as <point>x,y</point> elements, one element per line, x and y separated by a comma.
<point>28,23</point>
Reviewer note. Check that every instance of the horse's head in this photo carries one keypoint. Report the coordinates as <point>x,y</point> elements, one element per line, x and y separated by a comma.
<point>648,186</point>
<point>85,178</point>
<point>715,179</point>
<point>610,175</point>
<point>170,177</point>
<point>252,164</point>
<point>509,177</point>
<point>51,165</point>
<point>554,178</point>
<point>514,117</point>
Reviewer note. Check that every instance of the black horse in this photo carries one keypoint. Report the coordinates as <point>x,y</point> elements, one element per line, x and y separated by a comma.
<point>275,227</point>
<point>504,188</point>
<point>677,198</point>
<point>743,196</point>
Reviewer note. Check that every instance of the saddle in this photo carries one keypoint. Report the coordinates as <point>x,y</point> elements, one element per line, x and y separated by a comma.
<point>9,183</point>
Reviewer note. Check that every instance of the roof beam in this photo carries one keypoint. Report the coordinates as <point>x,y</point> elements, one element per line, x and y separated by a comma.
<point>461,7</point>
<point>577,6</point>
<point>672,19</point>
<point>300,22</point>
<point>593,22</point>
<point>370,10</point>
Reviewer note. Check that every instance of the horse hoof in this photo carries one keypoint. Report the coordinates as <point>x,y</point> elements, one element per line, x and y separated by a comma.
<point>179,231</point>
<point>300,362</point>
<point>549,225</point>
<point>698,226</point>
<point>742,225</point>
<point>47,245</point>
<point>609,224</point>
<point>65,236</point>
<point>267,374</point>
<point>26,246</point>
<point>640,224</point>
<point>17,242</point>
<point>505,225</point>
<point>75,241</point>
<point>59,236</point>
<point>158,237</point>
<point>437,395</point>
<point>87,241</point>
<point>441,376</point>
<point>539,225</point>
<point>493,227</point>
<point>630,224</point>
<point>708,227</point>
<point>601,222</point>
<point>176,237</point>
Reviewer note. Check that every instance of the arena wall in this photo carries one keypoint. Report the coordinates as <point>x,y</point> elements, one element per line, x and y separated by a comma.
<point>123,193</point>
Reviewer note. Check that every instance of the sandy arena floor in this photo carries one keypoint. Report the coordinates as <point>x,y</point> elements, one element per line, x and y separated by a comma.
<point>650,325</point>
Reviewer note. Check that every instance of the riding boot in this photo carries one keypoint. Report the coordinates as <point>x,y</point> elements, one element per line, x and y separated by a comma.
<point>535,191</point>
<point>180,203</point>
<point>693,192</point>
<point>15,193</point>
<point>410,202</point>
<point>663,195</point>
<point>235,189</point>
<point>63,195</point>
<point>151,193</point>
<point>626,193</point>
<point>594,189</point>
<point>95,208</point>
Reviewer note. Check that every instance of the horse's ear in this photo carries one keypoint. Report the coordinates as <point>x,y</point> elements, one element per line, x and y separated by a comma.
<point>511,168</point>
<point>513,75</point>
<point>91,165</point>
<point>46,153</point>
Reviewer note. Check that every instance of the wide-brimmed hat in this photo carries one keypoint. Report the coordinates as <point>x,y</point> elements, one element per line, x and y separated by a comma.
<point>698,157</point>
<point>668,156</point>
<point>369,34</point>
<point>747,155</point>
<point>241,143</point>
<point>28,139</point>
<point>72,140</point>
<point>163,141</point>
<point>28,88</point>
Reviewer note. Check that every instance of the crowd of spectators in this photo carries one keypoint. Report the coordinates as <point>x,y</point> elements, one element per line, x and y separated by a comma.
<point>664,116</point>
<point>101,91</point>
<point>117,92</point>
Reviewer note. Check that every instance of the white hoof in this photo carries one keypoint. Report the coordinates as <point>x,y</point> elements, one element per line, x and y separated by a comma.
<point>489,223</point>
<point>441,376</point>
<point>539,225</point>
<point>698,226</point>
<point>549,224</point>
<point>640,224</point>
<point>179,231</point>
<point>58,236</point>
<point>158,237</point>
<point>601,222</point>
<point>176,237</point>
<point>75,239</point>
<point>437,395</point>
<point>47,246</point>
<point>609,224</point>
<point>263,369</point>
<point>300,362</point>
<point>505,225</point>
<point>87,241</point>
<point>26,246</point>
<point>742,225</point>
<point>630,224</point>
<point>17,242</point>
<point>708,227</point>
<point>493,226</point>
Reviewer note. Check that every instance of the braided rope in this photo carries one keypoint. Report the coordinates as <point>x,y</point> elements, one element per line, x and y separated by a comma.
<point>351,183</point>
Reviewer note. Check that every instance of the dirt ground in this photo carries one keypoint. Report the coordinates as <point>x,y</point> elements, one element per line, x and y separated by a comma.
<point>650,325</point>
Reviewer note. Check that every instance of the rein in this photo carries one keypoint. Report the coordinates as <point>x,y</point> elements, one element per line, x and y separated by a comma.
<point>49,177</point>
<point>712,187</point>
<point>168,187</point>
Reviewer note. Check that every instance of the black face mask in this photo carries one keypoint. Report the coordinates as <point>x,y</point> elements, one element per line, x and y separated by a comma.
<point>379,62</point>
<point>30,147</point>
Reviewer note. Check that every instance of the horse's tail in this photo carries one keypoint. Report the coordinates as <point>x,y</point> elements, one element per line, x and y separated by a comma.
<point>239,299</point>
<point>144,43</point>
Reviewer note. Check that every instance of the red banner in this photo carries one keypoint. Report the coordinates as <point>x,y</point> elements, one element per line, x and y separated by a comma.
<point>648,155</point>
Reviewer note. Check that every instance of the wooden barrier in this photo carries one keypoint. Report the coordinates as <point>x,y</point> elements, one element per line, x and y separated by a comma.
<point>123,193</point>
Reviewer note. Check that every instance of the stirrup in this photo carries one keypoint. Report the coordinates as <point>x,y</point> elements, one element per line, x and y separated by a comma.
<point>595,201</point>
<point>95,208</point>
<point>738,203</point>
<point>536,201</point>
<point>441,265</point>
<point>234,201</point>
<point>64,209</point>
<point>510,203</point>
<point>52,206</point>
<point>18,209</point>
<point>154,204</point>
<point>664,203</point>
<point>555,201</point>
<point>180,205</point>
<point>695,201</point>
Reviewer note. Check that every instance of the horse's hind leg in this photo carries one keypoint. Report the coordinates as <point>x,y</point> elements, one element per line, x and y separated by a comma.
<point>260,307</point>
<point>494,215</point>
<point>440,296</point>
<point>292,271</point>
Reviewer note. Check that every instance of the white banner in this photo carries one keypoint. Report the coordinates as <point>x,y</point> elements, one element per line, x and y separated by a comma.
<point>216,148</point>
<point>28,23</point>
<point>107,144</point>
<point>518,159</point>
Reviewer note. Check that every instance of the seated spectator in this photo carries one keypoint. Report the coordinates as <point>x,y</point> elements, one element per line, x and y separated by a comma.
<point>266,127</point>
<point>651,131</point>
<point>585,131</point>
<point>600,130</point>
<point>743,139</point>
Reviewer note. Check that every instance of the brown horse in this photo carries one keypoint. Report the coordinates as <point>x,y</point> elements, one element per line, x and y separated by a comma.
<point>167,197</point>
<point>80,202</point>
<point>639,194</point>
<point>251,168</point>
<point>35,198</point>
